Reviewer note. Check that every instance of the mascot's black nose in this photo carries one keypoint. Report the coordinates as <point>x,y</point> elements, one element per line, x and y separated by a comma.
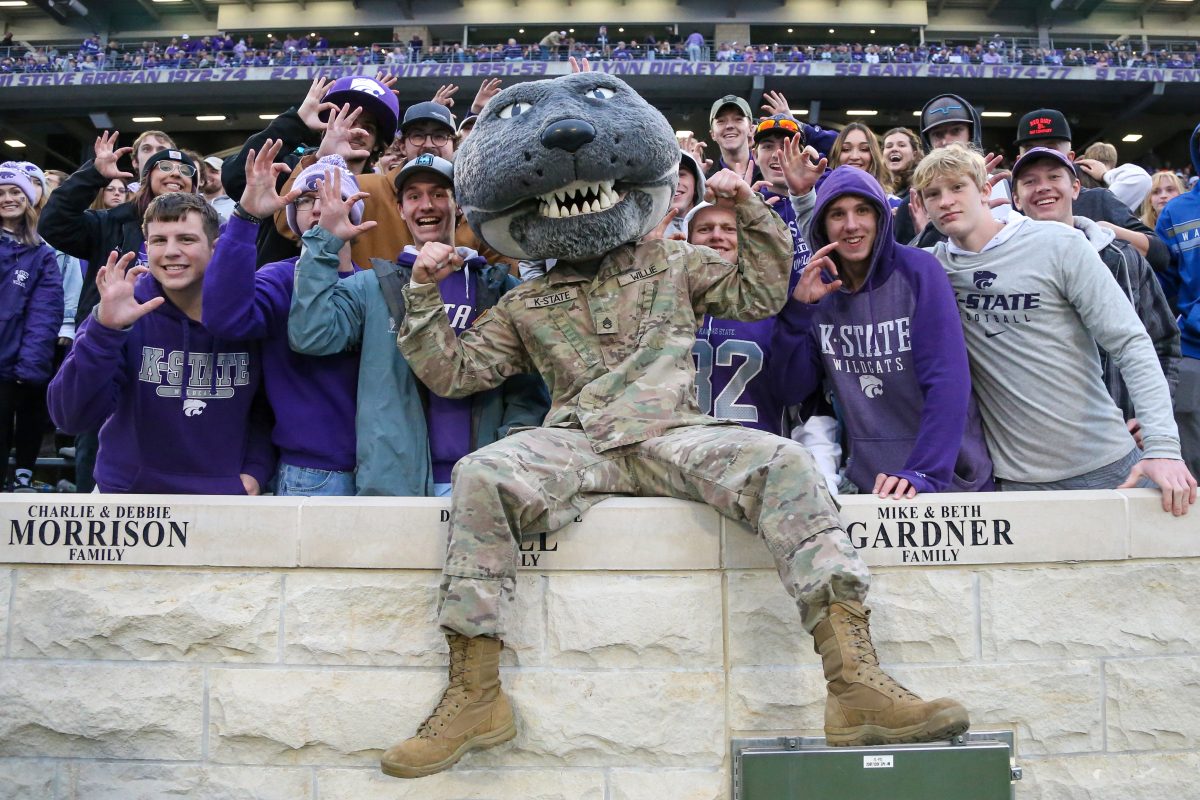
<point>568,134</point>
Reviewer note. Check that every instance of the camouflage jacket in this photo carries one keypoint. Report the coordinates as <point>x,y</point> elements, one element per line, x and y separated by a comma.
<point>614,344</point>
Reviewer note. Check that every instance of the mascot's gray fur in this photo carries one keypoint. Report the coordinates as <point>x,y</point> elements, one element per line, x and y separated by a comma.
<point>567,168</point>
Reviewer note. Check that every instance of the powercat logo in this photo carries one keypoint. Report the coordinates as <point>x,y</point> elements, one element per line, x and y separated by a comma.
<point>984,279</point>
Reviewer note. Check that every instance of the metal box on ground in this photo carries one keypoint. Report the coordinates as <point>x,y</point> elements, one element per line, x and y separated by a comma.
<point>977,766</point>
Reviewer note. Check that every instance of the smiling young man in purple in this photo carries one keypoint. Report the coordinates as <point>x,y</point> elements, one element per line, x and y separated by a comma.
<point>879,321</point>
<point>175,401</point>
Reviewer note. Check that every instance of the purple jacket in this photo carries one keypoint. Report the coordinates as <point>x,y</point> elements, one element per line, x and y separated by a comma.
<point>895,355</point>
<point>31,310</point>
<point>157,439</point>
<point>313,397</point>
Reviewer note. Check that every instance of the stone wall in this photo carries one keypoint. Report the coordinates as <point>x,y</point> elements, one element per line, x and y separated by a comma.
<point>268,649</point>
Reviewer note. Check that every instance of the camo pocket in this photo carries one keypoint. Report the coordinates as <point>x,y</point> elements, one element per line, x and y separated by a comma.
<point>652,322</point>
<point>565,343</point>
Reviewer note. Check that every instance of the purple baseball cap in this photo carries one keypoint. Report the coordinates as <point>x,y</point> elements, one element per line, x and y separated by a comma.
<point>370,95</point>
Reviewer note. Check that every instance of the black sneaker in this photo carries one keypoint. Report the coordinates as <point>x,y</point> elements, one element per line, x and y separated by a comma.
<point>23,484</point>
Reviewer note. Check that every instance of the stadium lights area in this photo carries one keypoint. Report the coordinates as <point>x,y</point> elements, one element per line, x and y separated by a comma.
<point>210,118</point>
<point>13,3</point>
<point>267,116</point>
<point>1131,137</point>
<point>860,112</point>
<point>147,119</point>
<point>1001,114</point>
<point>16,143</point>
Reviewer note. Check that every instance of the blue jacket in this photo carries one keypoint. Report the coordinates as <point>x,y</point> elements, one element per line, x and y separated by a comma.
<point>1179,227</point>
<point>329,316</point>
<point>31,310</point>
<point>894,352</point>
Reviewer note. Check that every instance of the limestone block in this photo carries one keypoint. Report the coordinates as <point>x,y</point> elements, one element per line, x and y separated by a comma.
<point>1054,706</point>
<point>327,717</point>
<point>635,620</point>
<point>621,718</point>
<point>984,528</point>
<point>1089,610</point>
<point>618,534</point>
<point>1153,704</point>
<point>640,534</point>
<point>374,532</point>
<point>151,530</point>
<point>1114,776</point>
<point>6,579</point>
<point>390,619</point>
<point>1153,533</point>
<point>126,781</point>
<point>627,784</point>
<point>917,616</point>
<point>101,711</point>
<point>146,615</point>
<point>784,700</point>
<point>463,784</point>
<point>28,780</point>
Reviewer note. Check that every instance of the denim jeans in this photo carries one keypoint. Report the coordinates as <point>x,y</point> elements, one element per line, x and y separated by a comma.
<point>292,481</point>
<point>1109,476</point>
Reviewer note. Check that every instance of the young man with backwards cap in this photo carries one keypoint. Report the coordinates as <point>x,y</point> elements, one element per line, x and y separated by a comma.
<point>313,397</point>
<point>408,438</point>
<point>1044,189</point>
<point>1035,301</point>
<point>1047,127</point>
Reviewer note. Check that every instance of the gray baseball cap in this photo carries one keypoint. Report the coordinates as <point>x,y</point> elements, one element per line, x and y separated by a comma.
<point>729,100</point>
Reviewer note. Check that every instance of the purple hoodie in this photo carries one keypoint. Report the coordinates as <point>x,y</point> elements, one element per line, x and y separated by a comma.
<point>31,310</point>
<point>314,397</point>
<point>154,440</point>
<point>895,354</point>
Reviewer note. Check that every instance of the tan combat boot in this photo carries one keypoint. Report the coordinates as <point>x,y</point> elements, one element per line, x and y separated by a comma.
<point>473,713</point>
<point>865,705</point>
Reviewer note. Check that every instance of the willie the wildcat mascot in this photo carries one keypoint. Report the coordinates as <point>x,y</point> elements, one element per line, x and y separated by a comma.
<point>579,169</point>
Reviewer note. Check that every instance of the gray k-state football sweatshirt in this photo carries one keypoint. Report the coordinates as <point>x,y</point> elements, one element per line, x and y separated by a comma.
<point>1033,304</point>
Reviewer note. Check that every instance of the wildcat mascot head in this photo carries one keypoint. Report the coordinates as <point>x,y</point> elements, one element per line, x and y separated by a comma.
<point>567,168</point>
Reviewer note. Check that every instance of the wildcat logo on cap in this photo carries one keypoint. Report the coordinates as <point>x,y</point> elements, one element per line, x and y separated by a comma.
<point>367,85</point>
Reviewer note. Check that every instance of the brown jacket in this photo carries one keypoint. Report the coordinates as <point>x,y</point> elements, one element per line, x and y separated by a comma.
<point>389,237</point>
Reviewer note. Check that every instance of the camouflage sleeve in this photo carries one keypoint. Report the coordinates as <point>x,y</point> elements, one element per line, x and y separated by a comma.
<point>756,288</point>
<point>457,366</point>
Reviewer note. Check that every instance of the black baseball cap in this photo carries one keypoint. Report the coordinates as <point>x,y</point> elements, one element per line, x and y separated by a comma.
<point>1043,124</point>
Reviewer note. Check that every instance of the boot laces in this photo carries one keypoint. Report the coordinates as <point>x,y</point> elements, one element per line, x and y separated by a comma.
<point>860,632</point>
<point>451,698</point>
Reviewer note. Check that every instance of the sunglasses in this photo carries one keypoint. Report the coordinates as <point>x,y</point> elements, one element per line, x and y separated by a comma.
<point>770,124</point>
<point>186,170</point>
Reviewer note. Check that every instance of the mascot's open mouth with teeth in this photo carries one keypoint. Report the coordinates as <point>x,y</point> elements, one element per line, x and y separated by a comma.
<point>566,168</point>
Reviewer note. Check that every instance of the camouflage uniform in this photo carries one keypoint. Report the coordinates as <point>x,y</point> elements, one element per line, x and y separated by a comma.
<point>614,344</point>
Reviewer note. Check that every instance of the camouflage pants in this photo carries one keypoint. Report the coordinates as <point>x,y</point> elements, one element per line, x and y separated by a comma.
<point>540,480</point>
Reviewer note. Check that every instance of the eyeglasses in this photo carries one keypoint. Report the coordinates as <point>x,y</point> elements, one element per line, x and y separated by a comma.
<point>304,201</point>
<point>186,170</point>
<point>771,123</point>
<point>439,139</point>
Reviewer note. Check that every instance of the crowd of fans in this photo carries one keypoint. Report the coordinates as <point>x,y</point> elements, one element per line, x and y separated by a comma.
<point>314,50</point>
<point>230,326</point>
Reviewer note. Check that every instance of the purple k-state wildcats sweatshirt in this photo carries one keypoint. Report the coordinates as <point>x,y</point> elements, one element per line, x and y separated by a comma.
<point>894,353</point>
<point>177,404</point>
<point>314,397</point>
